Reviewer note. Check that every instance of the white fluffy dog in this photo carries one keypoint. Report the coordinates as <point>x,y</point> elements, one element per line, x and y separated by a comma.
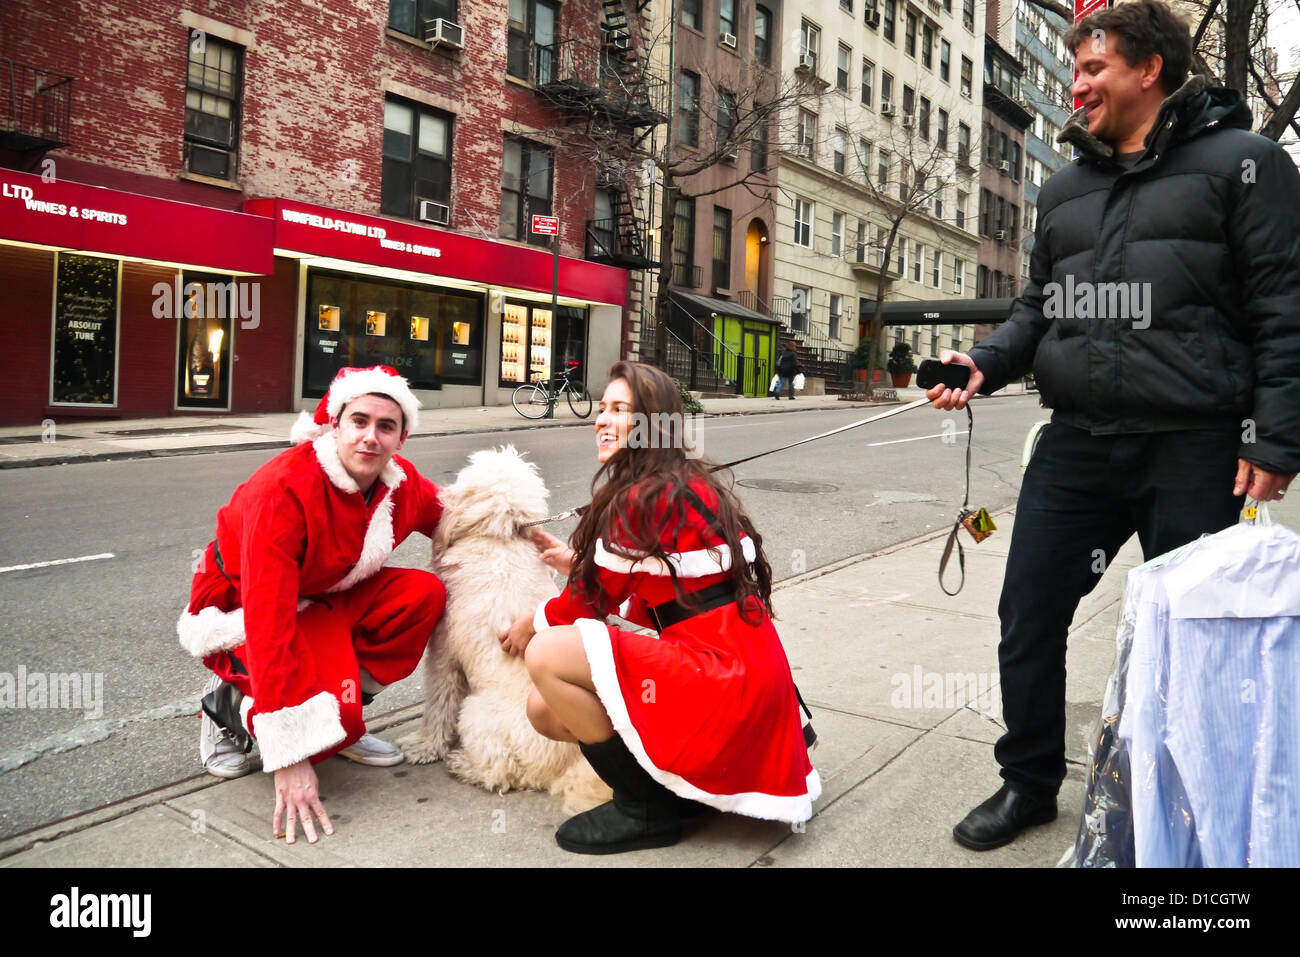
<point>475,693</point>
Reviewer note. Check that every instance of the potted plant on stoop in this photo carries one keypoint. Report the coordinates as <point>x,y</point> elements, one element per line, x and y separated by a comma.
<point>901,365</point>
<point>862,357</point>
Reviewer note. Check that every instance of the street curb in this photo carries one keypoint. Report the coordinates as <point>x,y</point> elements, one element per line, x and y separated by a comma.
<point>128,455</point>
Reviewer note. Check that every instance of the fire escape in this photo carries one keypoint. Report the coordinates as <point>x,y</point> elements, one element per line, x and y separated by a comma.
<point>37,111</point>
<point>608,88</point>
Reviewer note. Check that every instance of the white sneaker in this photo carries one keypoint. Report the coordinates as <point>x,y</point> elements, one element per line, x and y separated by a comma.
<point>220,755</point>
<point>374,752</point>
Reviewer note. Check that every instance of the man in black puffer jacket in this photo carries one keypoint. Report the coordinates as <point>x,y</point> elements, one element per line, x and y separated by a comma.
<point>1162,323</point>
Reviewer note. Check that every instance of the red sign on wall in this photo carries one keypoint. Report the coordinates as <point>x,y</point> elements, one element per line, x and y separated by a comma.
<point>321,231</point>
<point>546,225</point>
<point>1086,8</point>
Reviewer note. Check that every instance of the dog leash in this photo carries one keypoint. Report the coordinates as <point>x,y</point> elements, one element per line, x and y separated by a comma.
<point>843,428</point>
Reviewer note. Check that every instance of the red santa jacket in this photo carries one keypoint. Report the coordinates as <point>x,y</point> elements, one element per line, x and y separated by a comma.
<point>298,528</point>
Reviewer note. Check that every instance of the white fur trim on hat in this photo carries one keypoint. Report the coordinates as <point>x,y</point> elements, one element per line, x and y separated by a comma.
<point>693,564</point>
<point>305,429</point>
<point>365,381</point>
<point>294,734</point>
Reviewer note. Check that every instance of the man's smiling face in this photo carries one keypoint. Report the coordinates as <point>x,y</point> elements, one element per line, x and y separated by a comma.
<point>368,433</point>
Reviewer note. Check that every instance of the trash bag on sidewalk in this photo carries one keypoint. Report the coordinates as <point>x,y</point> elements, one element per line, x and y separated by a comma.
<point>1196,758</point>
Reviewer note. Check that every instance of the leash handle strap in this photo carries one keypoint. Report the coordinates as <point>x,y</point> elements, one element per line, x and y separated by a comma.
<point>953,538</point>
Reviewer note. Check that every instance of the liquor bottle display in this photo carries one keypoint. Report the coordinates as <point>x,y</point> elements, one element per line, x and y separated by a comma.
<point>201,366</point>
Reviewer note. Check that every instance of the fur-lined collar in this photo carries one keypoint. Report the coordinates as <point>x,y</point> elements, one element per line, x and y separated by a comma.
<point>1075,131</point>
<point>327,454</point>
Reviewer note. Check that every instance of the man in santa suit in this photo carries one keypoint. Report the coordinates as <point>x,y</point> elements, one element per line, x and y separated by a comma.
<point>291,607</point>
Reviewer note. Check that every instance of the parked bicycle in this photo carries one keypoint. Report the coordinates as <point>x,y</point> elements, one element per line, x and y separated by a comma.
<point>533,400</point>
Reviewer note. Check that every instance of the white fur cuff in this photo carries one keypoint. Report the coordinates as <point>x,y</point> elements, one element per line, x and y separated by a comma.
<point>294,734</point>
<point>210,631</point>
<point>540,620</point>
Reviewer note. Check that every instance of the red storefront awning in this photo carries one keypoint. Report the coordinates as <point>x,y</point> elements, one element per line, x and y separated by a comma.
<point>321,231</point>
<point>94,219</point>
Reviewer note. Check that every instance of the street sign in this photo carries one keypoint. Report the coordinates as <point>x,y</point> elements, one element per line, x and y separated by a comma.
<point>546,225</point>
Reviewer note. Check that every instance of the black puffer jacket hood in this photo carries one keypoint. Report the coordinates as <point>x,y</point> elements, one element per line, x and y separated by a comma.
<point>1166,296</point>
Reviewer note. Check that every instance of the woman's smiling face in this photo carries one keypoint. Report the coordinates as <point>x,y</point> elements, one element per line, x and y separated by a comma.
<point>614,420</point>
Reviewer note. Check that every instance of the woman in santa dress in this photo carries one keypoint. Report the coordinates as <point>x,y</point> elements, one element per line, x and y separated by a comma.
<point>706,711</point>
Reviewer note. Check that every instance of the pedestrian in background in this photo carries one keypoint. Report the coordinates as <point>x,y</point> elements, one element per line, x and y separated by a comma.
<point>787,367</point>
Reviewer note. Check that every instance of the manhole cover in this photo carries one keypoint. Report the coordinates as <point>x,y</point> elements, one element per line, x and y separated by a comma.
<point>784,485</point>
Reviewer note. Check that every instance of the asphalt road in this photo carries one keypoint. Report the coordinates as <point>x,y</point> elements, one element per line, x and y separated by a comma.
<point>115,617</point>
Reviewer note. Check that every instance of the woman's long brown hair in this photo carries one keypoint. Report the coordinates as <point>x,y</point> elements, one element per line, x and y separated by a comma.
<point>652,480</point>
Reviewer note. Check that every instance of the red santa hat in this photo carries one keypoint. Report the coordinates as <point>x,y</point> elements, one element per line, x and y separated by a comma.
<point>350,384</point>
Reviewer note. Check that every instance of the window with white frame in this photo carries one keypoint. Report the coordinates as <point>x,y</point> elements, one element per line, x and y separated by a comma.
<point>835,316</point>
<point>967,71</point>
<point>918,263</point>
<point>936,268</point>
<point>945,59</point>
<point>958,277</point>
<point>882,169</point>
<point>886,89</point>
<point>843,58</point>
<point>868,81</point>
<point>962,199</point>
<point>938,202</point>
<point>900,256</point>
<point>864,161</point>
<point>839,149</point>
<point>807,133</point>
<point>803,222</point>
<point>810,38</point>
<point>837,234</point>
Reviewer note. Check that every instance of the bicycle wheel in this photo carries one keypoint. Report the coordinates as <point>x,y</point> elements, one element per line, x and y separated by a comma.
<point>530,400</point>
<point>579,400</point>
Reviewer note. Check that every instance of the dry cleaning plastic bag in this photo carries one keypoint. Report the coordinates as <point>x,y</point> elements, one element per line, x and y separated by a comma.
<point>1196,759</point>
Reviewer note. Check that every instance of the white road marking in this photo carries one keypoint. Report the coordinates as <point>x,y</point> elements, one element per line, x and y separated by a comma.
<point>58,561</point>
<point>918,438</point>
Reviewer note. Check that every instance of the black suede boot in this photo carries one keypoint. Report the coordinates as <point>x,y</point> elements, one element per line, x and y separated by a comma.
<point>643,813</point>
<point>222,706</point>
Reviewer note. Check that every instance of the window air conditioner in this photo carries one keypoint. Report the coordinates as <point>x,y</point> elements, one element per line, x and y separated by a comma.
<point>431,212</point>
<point>807,61</point>
<point>887,109</point>
<point>909,121</point>
<point>966,94</point>
<point>1004,168</point>
<point>731,155</point>
<point>729,40</point>
<point>1000,235</point>
<point>444,32</point>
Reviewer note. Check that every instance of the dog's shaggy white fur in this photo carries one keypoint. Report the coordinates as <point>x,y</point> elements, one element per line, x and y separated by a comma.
<point>475,693</point>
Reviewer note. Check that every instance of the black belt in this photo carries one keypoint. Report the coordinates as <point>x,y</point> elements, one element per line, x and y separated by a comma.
<point>669,613</point>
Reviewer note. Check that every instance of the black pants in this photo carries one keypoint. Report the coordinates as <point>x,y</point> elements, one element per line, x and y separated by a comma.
<point>1081,499</point>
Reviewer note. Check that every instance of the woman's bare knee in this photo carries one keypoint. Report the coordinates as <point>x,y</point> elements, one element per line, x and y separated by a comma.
<point>543,719</point>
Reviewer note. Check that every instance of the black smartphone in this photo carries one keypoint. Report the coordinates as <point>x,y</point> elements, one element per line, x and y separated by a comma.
<point>954,375</point>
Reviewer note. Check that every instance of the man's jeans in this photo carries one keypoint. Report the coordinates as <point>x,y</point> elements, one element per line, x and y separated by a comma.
<point>1081,498</point>
<point>787,382</point>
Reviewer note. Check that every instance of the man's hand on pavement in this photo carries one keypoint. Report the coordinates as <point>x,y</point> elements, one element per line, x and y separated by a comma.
<point>296,795</point>
<point>946,399</point>
<point>1260,484</point>
<point>514,641</point>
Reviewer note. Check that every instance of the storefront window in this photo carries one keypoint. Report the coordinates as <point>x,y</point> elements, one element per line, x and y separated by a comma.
<point>85,331</point>
<point>431,336</point>
<point>535,345</point>
<point>206,319</point>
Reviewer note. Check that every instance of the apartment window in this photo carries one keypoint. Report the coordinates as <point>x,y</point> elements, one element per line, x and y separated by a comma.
<point>842,69</point>
<point>762,35</point>
<point>958,277</point>
<point>1031,217</point>
<point>962,200</point>
<point>727,110</point>
<point>900,256</point>
<point>212,93</point>
<point>890,11</point>
<point>721,248</point>
<point>1000,217</point>
<point>530,53</point>
<point>409,16</point>
<point>1015,161</point>
<point>839,149</point>
<point>688,110</point>
<point>862,242</point>
<point>758,148</point>
<point>803,222</point>
<point>945,59</point>
<point>807,133</point>
<point>938,201</point>
<point>966,69</point>
<point>526,174</point>
<point>870,14</point>
<point>684,242</point>
<point>909,34</point>
<point>941,135</point>
<point>800,305</point>
<point>691,13</point>
<point>981,282</point>
<point>810,38</point>
<point>909,101</point>
<point>936,268</point>
<point>918,263</point>
<point>956,338</point>
<point>968,14</point>
<point>927,46</point>
<point>886,89</point>
<point>835,317</point>
<point>727,16</point>
<point>984,226</point>
<point>417,158</point>
<point>923,119</point>
<point>1015,221</point>
<point>963,143</point>
<point>837,234</point>
<point>846,5</point>
<point>864,160</point>
<point>868,81</point>
<point>882,169</point>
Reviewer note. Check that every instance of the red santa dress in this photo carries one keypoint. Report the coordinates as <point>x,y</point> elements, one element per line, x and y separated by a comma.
<point>707,707</point>
<point>291,599</point>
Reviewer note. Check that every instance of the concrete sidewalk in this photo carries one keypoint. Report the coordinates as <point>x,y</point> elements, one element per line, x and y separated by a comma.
<point>900,764</point>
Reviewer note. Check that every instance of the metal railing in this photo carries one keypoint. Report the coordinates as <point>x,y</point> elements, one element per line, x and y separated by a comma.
<point>691,277</point>
<point>38,107</point>
<point>596,74</point>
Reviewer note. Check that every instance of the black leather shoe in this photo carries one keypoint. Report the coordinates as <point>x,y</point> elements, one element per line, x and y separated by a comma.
<point>1001,818</point>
